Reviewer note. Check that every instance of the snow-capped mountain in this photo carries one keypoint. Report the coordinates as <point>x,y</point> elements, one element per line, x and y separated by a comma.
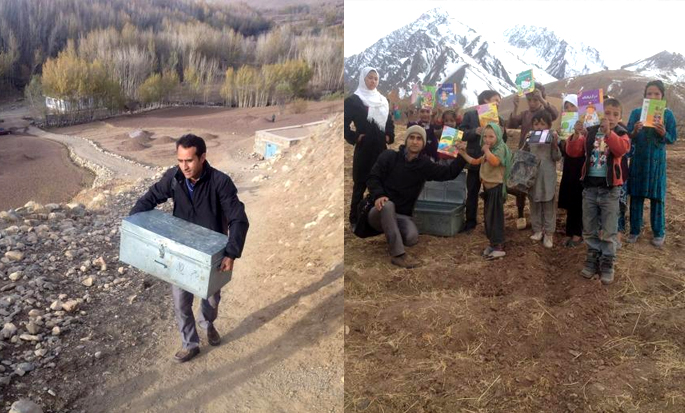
<point>437,48</point>
<point>560,58</point>
<point>665,66</point>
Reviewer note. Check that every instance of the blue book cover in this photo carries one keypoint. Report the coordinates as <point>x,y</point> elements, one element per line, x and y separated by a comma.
<point>446,95</point>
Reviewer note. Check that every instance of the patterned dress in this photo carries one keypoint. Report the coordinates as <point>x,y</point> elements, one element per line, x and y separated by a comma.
<point>647,176</point>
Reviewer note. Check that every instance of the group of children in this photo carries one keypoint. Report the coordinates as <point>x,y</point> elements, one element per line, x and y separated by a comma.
<point>596,178</point>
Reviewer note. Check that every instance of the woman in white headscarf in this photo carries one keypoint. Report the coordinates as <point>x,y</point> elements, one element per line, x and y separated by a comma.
<point>373,130</point>
<point>571,187</point>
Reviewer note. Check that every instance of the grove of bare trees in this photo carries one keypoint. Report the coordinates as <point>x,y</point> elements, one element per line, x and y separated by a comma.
<point>111,52</point>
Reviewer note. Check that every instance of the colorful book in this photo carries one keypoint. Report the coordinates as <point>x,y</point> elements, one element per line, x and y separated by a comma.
<point>568,123</point>
<point>427,96</point>
<point>652,111</point>
<point>448,141</point>
<point>487,113</point>
<point>540,136</point>
<point>446,95</point>
<point>525,82</point>
<point>591,107</point>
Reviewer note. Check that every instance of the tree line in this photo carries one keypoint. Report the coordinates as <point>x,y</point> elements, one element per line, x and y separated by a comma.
<point>142,50</point>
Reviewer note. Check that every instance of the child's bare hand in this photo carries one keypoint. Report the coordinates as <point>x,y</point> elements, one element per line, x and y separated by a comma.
<point>555,138</point>
<point>660,129</point>
<point>517,100</point>
<point>638,127</point>
<point>605,127</point>
<point>486,148</point>
<point>461,146</point>
<point>539,97</point>
<point>479,130</point>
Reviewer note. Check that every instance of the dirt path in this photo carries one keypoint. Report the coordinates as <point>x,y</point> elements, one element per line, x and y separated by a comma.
<point>281,347</point>
<point>280,317</point>
<point>117,166</point>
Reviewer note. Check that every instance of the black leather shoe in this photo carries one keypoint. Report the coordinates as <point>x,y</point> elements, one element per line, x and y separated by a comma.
<point>186,354</point>
<point>213,336</point>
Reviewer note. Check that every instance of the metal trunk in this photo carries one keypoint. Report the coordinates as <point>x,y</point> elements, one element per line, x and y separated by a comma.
<point>174,250</point>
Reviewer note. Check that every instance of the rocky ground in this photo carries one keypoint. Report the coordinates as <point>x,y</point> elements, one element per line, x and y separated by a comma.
<point>81,332</point>
<point>59,272</point>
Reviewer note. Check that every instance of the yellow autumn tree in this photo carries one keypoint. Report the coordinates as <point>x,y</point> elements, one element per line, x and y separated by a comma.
<point>228,87</point>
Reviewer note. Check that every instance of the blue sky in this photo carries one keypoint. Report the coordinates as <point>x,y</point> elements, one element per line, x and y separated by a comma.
<point>638,32</point>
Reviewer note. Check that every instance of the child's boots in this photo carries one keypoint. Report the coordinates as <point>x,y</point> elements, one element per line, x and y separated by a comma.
<point>606,269</point>
<point>591,264</point>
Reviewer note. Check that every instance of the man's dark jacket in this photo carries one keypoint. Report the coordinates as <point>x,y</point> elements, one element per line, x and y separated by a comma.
<point>215,204</point>
<point>401,180</point>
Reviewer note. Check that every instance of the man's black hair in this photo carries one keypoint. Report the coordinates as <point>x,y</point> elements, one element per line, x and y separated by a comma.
<point>192,141</point>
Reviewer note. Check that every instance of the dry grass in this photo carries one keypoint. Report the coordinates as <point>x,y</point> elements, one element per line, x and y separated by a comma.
<point>525,333</point>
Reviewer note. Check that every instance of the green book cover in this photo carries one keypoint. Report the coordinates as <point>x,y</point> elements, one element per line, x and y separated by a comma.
<point>525,82</point>
<point>427,97</point>
<point>568,123</point>
<point>652,111</point>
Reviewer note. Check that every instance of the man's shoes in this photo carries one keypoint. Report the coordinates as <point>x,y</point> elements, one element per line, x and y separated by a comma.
<point>213,337</point>
<point>547,241</point>
<point>487,251</point>
<point>521,223</point>
<point>536,236</point>
<point>186,354</point>
<point>405,261</point>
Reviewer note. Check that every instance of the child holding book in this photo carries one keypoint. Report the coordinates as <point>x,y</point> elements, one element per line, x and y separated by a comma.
<point>602,147</point>
<point>449,118</point>
<point>495,165</point>
<point>571,188</point>
<point>536,103</point>
<point>648,167</point>
<point>543,212</point>
<point>470,125</point>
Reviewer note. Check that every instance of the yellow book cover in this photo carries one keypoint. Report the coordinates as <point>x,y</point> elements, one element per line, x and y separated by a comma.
<point>487,113</point>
